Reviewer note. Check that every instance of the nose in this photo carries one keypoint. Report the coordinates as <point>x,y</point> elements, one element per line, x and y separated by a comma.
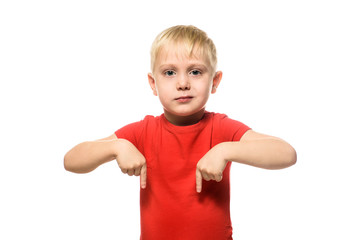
<point>183,83</point>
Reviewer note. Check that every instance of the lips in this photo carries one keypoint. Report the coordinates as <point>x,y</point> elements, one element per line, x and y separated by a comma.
<point>184,98</point>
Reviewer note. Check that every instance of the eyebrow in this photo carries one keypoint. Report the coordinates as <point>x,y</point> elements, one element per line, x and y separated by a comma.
<point>193,65</point>
<point>167,66</point>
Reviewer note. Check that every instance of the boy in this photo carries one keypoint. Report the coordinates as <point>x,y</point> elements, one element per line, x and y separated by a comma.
<point>173,153</point>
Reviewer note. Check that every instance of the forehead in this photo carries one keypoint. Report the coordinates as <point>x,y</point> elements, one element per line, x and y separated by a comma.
<point>180,53</point>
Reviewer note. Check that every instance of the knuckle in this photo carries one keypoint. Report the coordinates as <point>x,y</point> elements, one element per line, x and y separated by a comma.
<point>203,169</point>
<point>124,169</point>
<point>134,166</point>
<point>208,171</point>
<point>139,164</point>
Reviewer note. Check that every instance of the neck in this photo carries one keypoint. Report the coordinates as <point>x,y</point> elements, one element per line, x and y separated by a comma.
<point>184,120</point>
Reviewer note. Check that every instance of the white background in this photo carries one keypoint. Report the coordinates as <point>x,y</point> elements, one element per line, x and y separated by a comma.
<point>75,70</point>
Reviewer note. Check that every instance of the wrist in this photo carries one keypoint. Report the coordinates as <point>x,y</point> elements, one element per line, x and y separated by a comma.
<point>227,150</point>
<point>116,146</point>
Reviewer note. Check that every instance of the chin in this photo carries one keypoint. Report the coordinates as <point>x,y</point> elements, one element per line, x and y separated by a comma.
<point>186,113</point>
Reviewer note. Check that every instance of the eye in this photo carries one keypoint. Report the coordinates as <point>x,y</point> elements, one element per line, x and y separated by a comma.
<point>170,73</point>
<point>195,72</point>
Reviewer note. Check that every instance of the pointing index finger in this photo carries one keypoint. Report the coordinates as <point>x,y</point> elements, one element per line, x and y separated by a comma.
<point>198,181</point>
<point>143,174</point>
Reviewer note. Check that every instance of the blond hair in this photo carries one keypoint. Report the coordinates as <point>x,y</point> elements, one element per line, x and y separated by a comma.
<point>188,36</point>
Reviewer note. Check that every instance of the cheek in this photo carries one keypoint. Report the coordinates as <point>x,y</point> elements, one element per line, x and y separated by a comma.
<point>163,92</point>
<point>204,88</point>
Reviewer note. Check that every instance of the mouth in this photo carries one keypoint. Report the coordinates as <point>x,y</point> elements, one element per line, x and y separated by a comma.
<point>183,99</point>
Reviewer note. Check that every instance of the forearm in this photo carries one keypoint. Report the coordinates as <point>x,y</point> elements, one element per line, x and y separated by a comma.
<point>87,156</point>
<point>268,153</point>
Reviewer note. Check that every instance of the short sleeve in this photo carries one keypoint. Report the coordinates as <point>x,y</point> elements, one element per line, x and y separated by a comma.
<point>131,132</point>
<point>241,130</point>
<point>230,130</point>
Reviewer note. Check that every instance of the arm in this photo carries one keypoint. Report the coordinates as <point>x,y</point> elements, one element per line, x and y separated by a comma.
<point>253,149</point>
<point>87,156</point>
<point>260,150</point>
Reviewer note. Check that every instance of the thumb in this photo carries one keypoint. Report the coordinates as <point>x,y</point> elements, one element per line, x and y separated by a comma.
<point>143,173</point>
<point>198,181</point>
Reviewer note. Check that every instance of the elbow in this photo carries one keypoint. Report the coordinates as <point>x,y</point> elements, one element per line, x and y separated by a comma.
<point>67,163</point>
<point>292,157</point>
<point>289,157</point>
<point>71,166</point>
<point>284,159</point>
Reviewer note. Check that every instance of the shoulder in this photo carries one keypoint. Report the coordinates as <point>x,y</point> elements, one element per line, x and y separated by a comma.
<point>137,127</point>
<point>227,127</point>
<point>220,116</point>
<point>223,119</point>
<point>216,115</point>
<point>148,119</point>
<point>151,121</point>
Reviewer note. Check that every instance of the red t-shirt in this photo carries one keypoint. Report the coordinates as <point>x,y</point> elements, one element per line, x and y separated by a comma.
<point>170,207</point>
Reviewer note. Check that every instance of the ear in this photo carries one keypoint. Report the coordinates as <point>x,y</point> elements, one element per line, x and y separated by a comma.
<point>216,81</point>
<point>152,83</point>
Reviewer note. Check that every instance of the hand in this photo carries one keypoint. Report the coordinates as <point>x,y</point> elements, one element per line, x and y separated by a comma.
<point>210,167</point>
<point>131,161</point>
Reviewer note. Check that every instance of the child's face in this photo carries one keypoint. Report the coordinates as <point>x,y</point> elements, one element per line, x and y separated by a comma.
<point>182,83</point>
